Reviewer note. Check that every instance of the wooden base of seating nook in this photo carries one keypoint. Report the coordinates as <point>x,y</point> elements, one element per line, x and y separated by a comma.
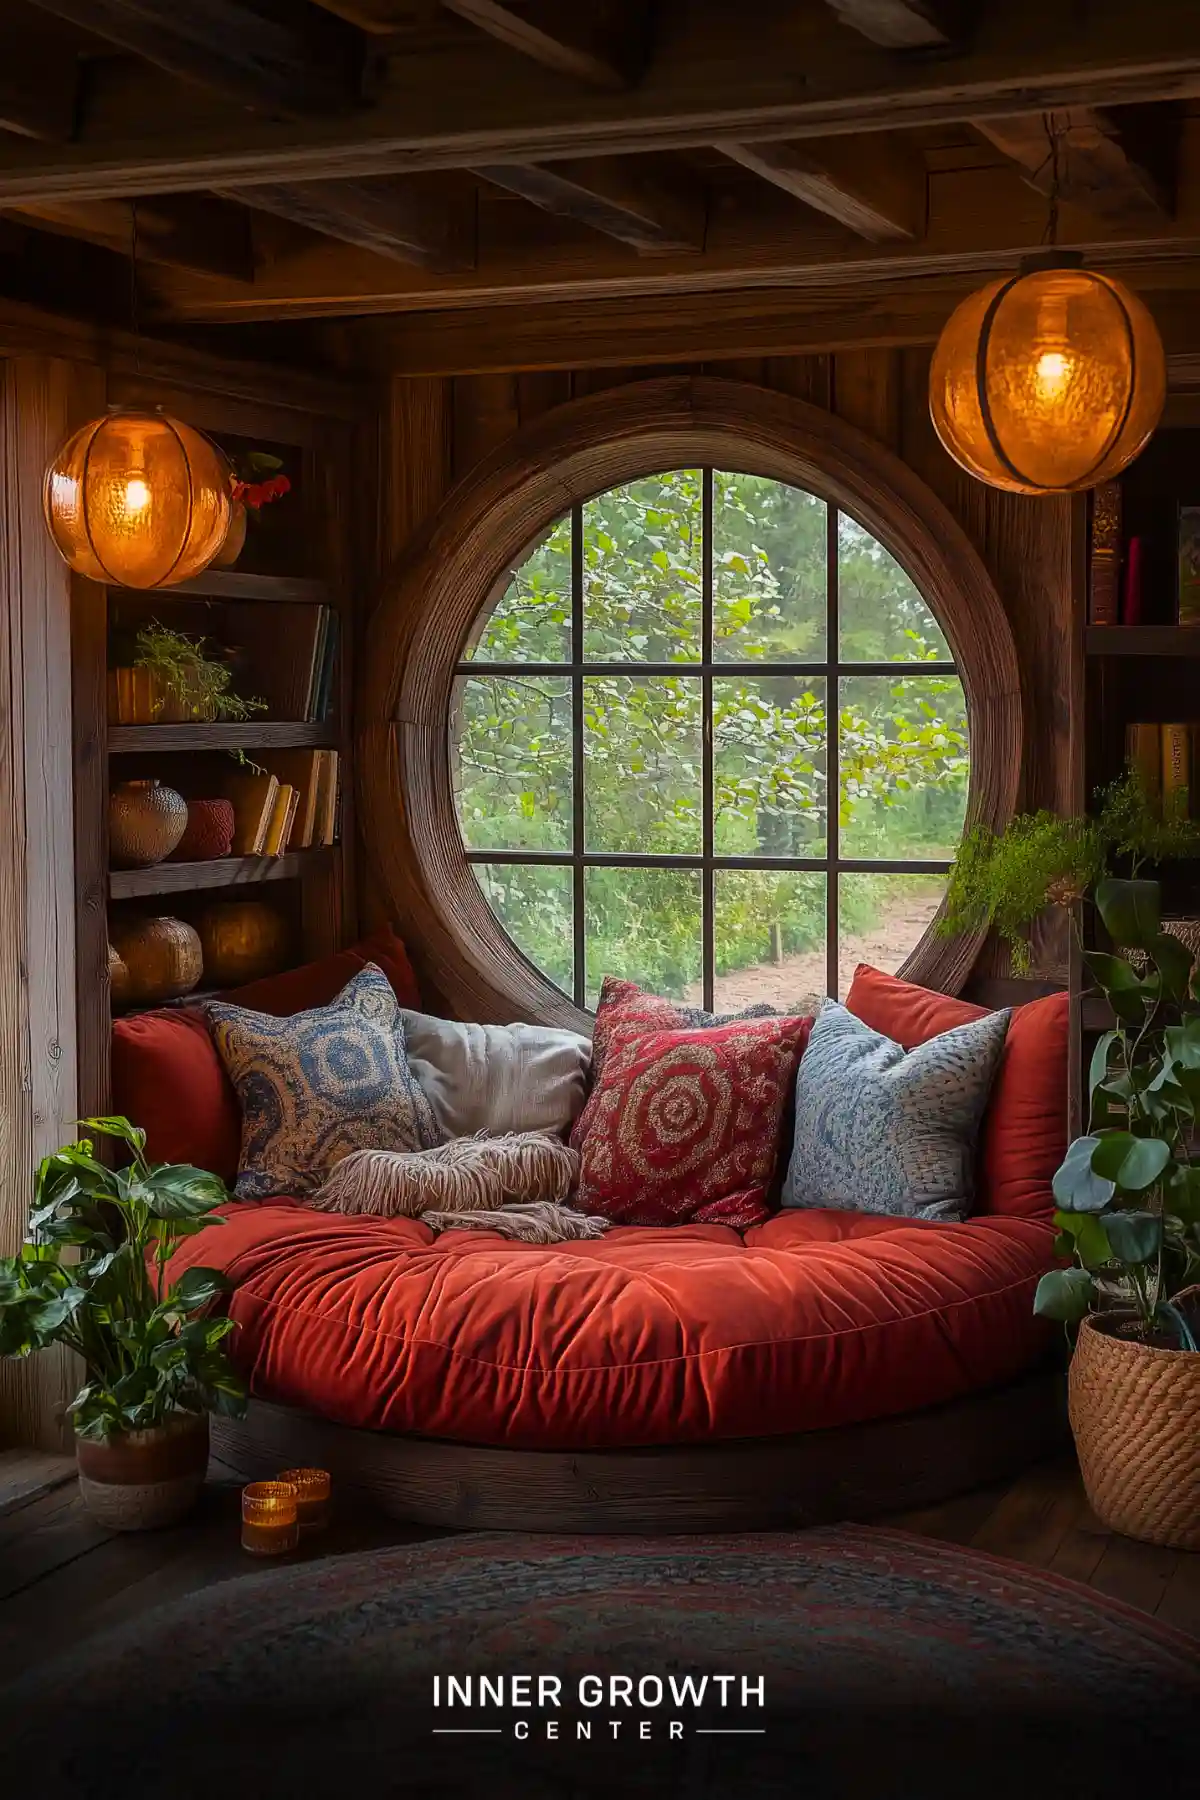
<point>851,1472</point>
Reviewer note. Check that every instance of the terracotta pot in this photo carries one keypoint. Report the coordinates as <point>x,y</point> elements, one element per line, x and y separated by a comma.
<point>162,956</point>
<point>142,697</point>
<point>118,980</point>
<point>235,539</point>
<point>145,822</point>
<point>142,1480</point>
<point>242,940</point>
<point>1133,1410</point>
<point>209,833</point>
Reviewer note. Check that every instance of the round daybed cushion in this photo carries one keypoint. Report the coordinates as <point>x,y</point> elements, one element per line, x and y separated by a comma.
<point>647,1336</point>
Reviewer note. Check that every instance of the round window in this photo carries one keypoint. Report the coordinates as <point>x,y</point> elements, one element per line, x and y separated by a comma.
<point>708,735</point>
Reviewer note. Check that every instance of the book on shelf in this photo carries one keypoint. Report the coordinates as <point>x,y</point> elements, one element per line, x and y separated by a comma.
<point>1105,566</point>
<point>1132,590</point>
<point>1176,770</point>
<point>327,798</point>
<point>253,797</point>
<point>1143,751</point>
<point>282,814</point>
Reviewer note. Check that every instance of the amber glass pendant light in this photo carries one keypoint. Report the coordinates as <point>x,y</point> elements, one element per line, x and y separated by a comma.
<point>1049,380</point>
<point>138,498</point>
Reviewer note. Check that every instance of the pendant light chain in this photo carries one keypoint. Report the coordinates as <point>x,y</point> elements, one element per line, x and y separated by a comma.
<point>1053,133</point>
<point>134,315</point>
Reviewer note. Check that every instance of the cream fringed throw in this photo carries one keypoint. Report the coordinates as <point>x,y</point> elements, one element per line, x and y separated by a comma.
<point>516,1185</point>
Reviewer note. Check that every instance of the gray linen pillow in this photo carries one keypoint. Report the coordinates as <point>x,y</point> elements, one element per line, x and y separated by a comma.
<point>882,1130</point>
<point>497,1078</point>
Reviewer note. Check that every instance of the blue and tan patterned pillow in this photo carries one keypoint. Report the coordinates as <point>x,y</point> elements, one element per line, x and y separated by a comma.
<point>884,1130</point>
<point>319,1085</point>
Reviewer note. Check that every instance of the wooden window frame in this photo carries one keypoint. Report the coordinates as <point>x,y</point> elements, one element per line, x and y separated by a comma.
<point>432,603</point>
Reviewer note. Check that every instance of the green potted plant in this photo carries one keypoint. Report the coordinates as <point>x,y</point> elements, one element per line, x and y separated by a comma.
<point>91,1275</point>
<point>1128,1215</point>
<point>1006,880</point>
<point>182,682</point>
<point>1128,1190</point>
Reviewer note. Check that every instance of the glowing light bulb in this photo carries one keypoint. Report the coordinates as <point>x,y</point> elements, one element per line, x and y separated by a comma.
<point>1053,372</point>
<point>137,495</point>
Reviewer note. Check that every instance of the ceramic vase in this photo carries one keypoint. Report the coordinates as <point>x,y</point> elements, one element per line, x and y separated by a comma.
<point>145,822</point>
<point>242,940</point>
<point>235,539</point>
<point>209,833</point>
<point>118,980</point>
<point>162,956</point>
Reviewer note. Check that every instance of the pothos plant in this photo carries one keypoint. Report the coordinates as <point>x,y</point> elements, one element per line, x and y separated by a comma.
<point>1128,1191</point>
<point>91,1274</point>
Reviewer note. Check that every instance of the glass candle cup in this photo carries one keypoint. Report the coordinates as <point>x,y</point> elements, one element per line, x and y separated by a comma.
<point>312,1496</point>
<point>270,1518</point>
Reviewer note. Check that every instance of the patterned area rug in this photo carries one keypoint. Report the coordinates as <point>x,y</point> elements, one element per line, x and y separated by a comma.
<point>831,1663</point>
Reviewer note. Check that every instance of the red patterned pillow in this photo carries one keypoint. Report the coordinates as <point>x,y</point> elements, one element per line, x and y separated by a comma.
<point>625,1003</point>
<point>685,1126</point>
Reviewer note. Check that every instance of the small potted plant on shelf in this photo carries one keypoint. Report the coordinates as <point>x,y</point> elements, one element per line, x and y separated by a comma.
<point>256,481</point>
<point>172,679</point>
<point>91,1275</point>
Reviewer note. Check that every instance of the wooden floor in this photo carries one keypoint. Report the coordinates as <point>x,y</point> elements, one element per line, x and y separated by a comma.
<point>62,1578</point>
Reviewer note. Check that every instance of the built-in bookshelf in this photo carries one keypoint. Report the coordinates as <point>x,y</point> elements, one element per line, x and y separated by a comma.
<point>294,575</point>
<point>1138,696</point>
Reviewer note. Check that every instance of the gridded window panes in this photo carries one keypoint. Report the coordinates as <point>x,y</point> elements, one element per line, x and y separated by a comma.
<point>710,737</point>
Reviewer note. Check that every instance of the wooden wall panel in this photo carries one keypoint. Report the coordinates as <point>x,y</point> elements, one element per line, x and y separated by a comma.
<point>38,1067</point>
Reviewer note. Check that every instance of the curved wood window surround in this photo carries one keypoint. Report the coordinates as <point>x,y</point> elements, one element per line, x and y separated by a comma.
<point>431,640</point>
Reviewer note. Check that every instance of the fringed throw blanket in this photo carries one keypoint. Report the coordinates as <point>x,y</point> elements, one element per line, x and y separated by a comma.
<point>516,1185</point>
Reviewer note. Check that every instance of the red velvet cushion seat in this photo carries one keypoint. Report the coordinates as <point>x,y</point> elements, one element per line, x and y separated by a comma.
<point>673,1335</point>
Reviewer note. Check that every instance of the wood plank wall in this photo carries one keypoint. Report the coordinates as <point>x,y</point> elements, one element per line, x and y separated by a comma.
<point>436,428</point>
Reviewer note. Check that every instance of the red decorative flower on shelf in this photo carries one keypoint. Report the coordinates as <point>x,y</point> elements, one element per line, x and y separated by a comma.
<point>258,480</point>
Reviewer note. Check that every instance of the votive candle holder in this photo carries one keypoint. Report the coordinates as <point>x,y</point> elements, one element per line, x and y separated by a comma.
<point>270,1518</point>
<point>312,1496</point>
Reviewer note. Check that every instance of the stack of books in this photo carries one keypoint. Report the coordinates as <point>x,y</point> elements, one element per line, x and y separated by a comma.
<point>292,805</point>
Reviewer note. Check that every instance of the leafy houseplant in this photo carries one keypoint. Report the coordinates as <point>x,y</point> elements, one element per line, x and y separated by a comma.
<point>1007,879</point>
<point>91,1275</point>
<point>200,685</point>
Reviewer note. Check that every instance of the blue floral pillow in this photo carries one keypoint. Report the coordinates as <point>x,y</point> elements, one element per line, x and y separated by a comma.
<point>884,1130</point>
<point>319,1085</point>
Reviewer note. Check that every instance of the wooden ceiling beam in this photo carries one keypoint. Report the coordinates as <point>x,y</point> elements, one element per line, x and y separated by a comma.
<point>874,188</point>
<point>899,24</point>
<point>392,219</point>
<point>600,42</point>
<point>795,77</point>
<point>981,221</point>
<point>239,53</point>
<point>1096,169</point>
<point>613,195</point>
<point>189,231</point>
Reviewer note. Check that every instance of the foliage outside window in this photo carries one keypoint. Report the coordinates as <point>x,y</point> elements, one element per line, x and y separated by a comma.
<point>650,722</point>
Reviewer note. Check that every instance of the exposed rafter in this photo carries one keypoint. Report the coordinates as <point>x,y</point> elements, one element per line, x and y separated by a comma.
<point>39,76</point>
<point>602,42</point>
<point>1096,169</point>
<point>615,196</point>
<point>981,221</point>
<point>234,50</point>
<point>715,80</point>
<point>392,218</point>
<point>189,231</point>
<point>899,24</point>
<point>876,190</point>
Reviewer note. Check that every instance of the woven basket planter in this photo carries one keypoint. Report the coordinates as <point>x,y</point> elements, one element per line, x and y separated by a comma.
<point>1135,1413</point>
